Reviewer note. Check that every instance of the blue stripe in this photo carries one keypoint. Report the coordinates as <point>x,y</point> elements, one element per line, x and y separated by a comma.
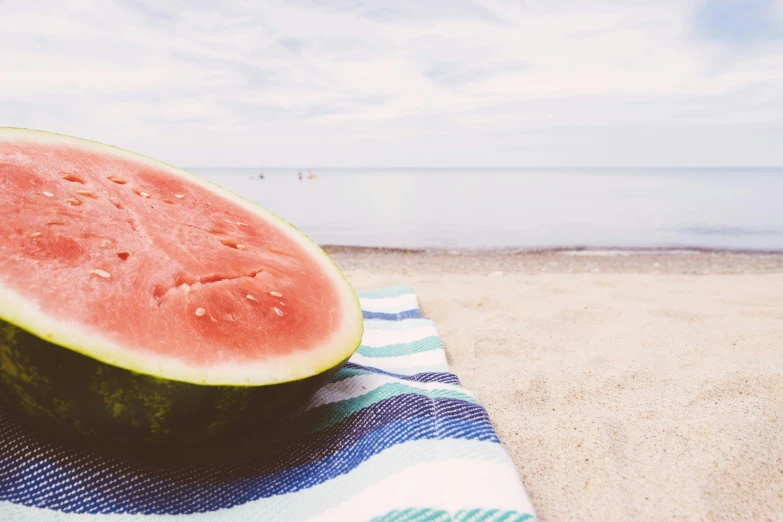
<point>322,417</point>
<point>185,490</point>
<point>294,441</point>
<point>406,314</point>
<point>352,369</point>
<point>309,449</point>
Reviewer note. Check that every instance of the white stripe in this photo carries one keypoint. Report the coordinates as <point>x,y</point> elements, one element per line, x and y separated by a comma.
<point>407,370</point>
<point>463,460</point>
<point>363,384</point>
<point>453,485</point>
<point>396,326</point>
<point>390,305</point>
<point>403,362</point>
<point>378,338</point>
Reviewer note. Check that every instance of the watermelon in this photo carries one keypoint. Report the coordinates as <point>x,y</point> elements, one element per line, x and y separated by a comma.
<point>141,304</point>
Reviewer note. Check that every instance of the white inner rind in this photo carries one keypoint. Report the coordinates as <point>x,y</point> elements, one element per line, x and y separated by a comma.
<point>299,363</point>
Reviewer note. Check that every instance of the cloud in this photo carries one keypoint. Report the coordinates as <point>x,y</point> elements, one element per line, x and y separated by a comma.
<point>407,11</point>
<point>628,26</point>
<point>456,73</point>
<point>294,45</point>
<point>396,82</point>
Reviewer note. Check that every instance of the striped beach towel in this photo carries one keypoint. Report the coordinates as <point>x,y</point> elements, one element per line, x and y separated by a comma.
<point>394,437</point>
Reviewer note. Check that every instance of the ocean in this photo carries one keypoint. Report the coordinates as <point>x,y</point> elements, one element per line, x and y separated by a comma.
<point>740,209</point>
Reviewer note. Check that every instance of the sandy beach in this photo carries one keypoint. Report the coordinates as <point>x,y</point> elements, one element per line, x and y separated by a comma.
<point>624,387</point>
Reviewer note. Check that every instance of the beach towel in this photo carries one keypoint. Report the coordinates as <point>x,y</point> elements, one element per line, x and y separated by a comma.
<point>393,437</point>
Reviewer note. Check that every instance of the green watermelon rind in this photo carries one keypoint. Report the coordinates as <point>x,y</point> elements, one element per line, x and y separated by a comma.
<point>69,398</point>
<point>19,312</point>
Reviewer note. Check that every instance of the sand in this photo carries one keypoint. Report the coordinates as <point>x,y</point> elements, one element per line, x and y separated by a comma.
<point>634,387</point>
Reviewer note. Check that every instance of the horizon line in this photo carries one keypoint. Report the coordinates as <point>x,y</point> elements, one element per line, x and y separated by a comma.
<point>706,167</point>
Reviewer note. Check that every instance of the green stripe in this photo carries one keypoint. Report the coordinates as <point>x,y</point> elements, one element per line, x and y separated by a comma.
<point>433,516</point>
<point>347,373</point>
<point>393,516</point>
<point>439,515</point>
<point>507,517</point>
<point>487,516</point>
<point>470,516</point>
<point>330,414</point>
<point>414,515</point>
<point>427,344</point>
<point>394,291</point>
<point>491,515</point>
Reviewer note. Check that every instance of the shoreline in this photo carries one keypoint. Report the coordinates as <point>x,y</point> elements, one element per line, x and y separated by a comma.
<point>563,261</point>
<point>609,250</point>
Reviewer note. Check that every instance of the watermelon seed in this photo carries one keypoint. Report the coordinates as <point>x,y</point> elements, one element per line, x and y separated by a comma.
<point>87,193</point>
<point>116,204</point>
<point>200,312</point>
<point>48,194</point>
<point>116,180</point>
<point>179,196</point>
<point>251,297</point>
<point>73,201</point>
<point>123,255</point>
<point>276,294</point>
<point>278,311</point>
<point>35,234</point>
<point>101,273</point>
<point>74,178</point>
<point>233,244</point>
<point>168,201</point>
<point>55,223</point>
<point>141,193</point>
<point>242,224</point>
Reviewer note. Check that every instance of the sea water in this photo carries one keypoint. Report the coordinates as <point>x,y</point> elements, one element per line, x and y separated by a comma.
<point>523,208</point>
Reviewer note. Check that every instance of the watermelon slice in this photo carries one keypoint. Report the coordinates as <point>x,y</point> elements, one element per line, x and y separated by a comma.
<point>142,302</point>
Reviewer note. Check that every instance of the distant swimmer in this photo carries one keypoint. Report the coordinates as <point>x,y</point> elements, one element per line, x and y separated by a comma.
<point>310,175</point>
<point>300,176</point>
<point>261,176</point>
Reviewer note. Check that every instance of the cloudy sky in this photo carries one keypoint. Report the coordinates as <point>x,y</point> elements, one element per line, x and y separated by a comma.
<point>309,83</point>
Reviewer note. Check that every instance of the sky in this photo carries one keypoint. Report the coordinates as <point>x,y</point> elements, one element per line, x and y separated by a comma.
<point>403,83</point>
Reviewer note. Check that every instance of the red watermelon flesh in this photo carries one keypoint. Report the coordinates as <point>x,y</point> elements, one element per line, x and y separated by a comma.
<point>148,268</point>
